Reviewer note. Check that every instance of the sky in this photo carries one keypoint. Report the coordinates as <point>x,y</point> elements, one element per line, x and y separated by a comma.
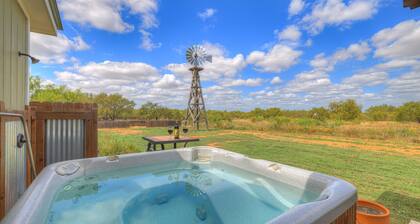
<point>292,54</point>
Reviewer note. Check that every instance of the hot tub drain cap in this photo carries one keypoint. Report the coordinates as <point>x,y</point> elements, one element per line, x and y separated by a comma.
<point>67,169</point>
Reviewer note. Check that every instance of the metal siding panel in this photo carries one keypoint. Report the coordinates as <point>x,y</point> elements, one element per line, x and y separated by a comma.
<point>12,70</point>
<point>7,30</point>
<point>15,164</point>
<point>14,58</point>
<point>81,142</point>
<point>64,140</point>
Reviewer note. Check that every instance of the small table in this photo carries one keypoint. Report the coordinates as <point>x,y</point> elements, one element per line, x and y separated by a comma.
<point>162,140</point>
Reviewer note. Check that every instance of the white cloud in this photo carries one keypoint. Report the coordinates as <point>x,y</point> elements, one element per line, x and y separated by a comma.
<point>207,13</point>
<point>291,33</point>
<point>308,81</point>
<point>244,82</point>
<point>107,15</point>
<point>277,59</point>
<point>336,12</point>
<point>135,80</point>
<point>214,49</point>
<point>168,81</point>
<point>179,69</point>
<point>276,80</point>
<point>367,79</point>
<point>398,42</point>
<point>146,41</point>
<point>79,44</point>
<point>225,98</point>
<point>320,61</point>
<point>398,63</point>
<point>147,10</point>
<point>296,7</point>
<point>120,71</point>
<point>100,14</point>
<point>315,88</point>
<point>53,50</point>
<point>224,67</point>
<point>108,76</point>
<point>357,51</point>
<point>407,85</point>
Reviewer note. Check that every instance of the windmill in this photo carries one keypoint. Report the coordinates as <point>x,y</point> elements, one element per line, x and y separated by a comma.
<point>196,111</point>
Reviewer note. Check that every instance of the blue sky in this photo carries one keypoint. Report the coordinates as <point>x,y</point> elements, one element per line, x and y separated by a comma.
<point>274,53</point>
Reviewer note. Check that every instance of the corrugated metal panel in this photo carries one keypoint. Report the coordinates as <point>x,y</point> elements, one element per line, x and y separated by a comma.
<point>64,140</point>
<point>15,164</point>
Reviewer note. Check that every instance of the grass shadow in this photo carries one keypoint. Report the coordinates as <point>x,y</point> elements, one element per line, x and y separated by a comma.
<point>402,206</point>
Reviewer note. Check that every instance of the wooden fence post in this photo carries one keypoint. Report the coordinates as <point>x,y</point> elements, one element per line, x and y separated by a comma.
<point>2,165</point>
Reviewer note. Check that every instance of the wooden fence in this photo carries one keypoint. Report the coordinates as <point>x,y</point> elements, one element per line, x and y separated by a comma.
<point>55,119</point>
<point>129,123</point>
<point>52,128</point>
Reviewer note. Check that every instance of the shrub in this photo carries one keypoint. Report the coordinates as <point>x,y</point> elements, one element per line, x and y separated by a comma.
<point>308,122</point>
<point>280,121</point>
<point>345,110</point>
<point>409,112</point>
<point>319,113</point>
<point>381,113</point>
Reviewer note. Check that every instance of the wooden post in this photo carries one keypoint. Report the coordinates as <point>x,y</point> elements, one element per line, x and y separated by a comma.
<point>91,133</point>
<point>2,165</point>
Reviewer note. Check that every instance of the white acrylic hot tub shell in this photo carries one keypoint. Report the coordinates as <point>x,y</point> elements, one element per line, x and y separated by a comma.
<point>336,197</point>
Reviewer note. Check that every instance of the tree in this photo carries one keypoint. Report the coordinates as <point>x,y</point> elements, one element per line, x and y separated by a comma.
<point>272,112</point>
<point>54,93</point>
<point>381,113</point>
<point>319,113</point>
<point>150,111</point>
<point>34,84</point>
<point>113,106</point>
<point>345,110</point>
<point>409,112</point>
<point>153,111</point>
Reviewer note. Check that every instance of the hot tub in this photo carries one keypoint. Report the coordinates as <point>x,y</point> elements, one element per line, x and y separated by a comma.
<point>190,185</point>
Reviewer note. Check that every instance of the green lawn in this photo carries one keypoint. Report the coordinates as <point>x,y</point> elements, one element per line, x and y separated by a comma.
<point>391,179</point>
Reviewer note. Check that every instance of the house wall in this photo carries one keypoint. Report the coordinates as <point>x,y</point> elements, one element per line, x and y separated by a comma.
<point>14,37</point>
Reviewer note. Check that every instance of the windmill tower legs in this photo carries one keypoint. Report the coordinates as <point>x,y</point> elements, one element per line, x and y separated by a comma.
<point>196,110</point>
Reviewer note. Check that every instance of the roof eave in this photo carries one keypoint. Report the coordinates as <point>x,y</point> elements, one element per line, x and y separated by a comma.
<point>43,16</point>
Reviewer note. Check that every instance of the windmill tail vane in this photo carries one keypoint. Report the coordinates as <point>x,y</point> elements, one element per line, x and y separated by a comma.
<point>196,110</point>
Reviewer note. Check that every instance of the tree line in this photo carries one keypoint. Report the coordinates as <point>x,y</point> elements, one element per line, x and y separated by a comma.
<point>115,106</point>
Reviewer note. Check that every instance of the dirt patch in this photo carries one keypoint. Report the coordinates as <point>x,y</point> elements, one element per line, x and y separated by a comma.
<point>217,144</point>
<point>339,142</point>
<point>214,144</point>
<point>124,131</point>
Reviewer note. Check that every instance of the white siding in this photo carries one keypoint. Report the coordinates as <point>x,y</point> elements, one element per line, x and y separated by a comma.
<point>13,69</point>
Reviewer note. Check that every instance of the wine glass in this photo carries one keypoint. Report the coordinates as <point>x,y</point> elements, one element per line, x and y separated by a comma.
<point>170,131</point>
<point>185,130</point>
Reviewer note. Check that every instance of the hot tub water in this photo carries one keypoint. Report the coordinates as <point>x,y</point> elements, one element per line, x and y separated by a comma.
<point>178,192</point>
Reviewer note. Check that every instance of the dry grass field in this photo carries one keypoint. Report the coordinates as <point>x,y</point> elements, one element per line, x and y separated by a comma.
<point>398,132</point>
